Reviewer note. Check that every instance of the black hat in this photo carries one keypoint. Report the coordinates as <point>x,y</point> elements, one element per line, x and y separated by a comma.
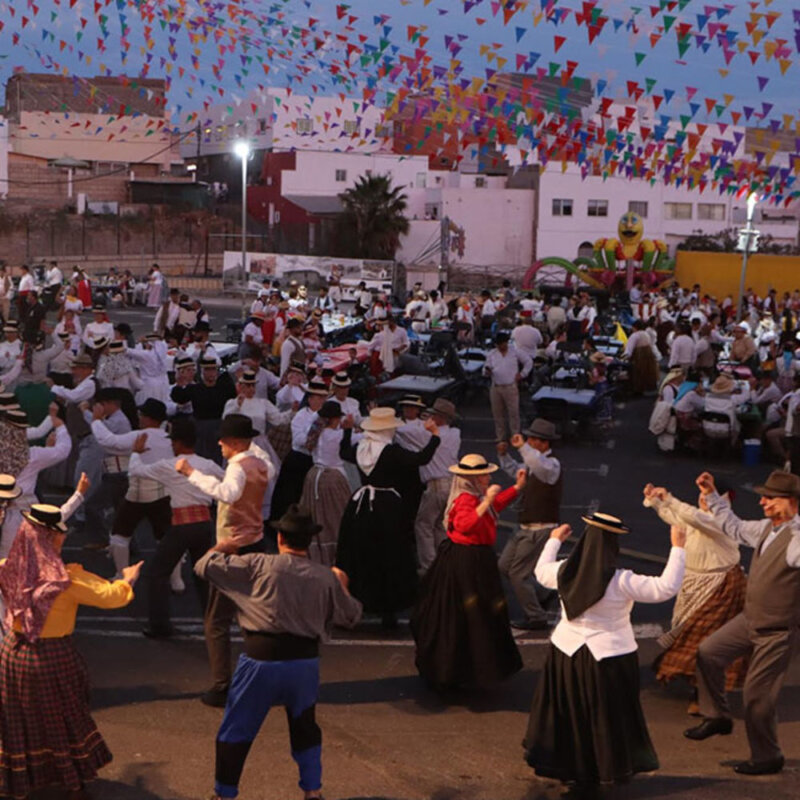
<point>45,515</point>
<point>237,426</point>
<point>293,522</point>
<point>109,393</point>
<point>502,337</point>
<point>154,409</point>
<point>183,430</point>
<point>330,410</point>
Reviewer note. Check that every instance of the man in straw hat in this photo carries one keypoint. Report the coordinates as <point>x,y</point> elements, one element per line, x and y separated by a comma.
<point>11,347</point>
<point>239,496</point>
<point>539,514</point>
<point>767,628</point>
<point>437,478</point>
<point>506,368</point>
<point>722,399</point>
<point>286,605</point>
<point>340,389</point>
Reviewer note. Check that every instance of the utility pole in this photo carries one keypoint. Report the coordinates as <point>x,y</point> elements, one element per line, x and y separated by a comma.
<point>748,239</point>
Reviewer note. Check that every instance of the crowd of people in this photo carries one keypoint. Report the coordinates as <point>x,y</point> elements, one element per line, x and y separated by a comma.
<point>302,507</point>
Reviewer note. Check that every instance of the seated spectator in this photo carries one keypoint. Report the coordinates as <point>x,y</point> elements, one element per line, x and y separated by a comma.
<point>722,399</point>
<point>743,348</point>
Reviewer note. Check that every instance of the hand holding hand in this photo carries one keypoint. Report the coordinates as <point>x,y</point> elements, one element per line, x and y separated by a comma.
<point>562,533</point>
<point>517,440</point>
<point>705,483</point>
<point>84,484</point>
<point>677,536</point>
<point>522,478</point>
<point>184,467</point>
<point>131,574</point>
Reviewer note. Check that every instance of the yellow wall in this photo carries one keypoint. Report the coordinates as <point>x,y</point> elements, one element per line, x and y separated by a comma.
<point>718,273</point>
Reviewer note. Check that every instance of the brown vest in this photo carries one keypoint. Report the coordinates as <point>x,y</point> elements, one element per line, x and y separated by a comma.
<point>243,517</point>
<point>773,587</point>
<point>541,502</point>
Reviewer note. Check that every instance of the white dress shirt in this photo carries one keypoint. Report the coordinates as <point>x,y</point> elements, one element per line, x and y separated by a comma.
<point>445,455</point>
<point>26,283</point>
<point>350,408</point>
<point>96,330</point>
<point>605,628</point>
<point>289,395</point>
<point>326,451</point>
<point>681,353</point>
<point>526,339</point>
<point>54,277</point>
<point>412,435</point>
<point>40,458</point>
<point>260,411</point>
<point>301,424</point>
<point>288,348</point>
<point>182,492</point>
<point>503,369</point>
<point>229,488</point>
<point>83,392</point>
<point>254,332</point>
<point>9,351</point>
<point>750,532</point>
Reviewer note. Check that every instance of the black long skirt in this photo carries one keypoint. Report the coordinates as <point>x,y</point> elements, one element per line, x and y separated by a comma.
<point>586,722</point>
<point>376,550</point>
<point>289,486</point>
<point>460,623</point>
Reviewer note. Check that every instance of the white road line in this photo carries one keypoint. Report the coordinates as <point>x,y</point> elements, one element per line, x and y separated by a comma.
<point>602,470</point>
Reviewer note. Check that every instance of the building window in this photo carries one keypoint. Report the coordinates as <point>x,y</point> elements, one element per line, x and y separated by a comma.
<point>597,208</point>
<point>109,167</point>
<point>262,126</point>
<point>638,207</point>
<point>432,211</point>
<point>341,175</point>
<point>677,210</point>
<point>350,127</point>
<point>562,208</point>
<point>305,125</point>
<point>384,130</point>
<point>714,211</point>
<point>422,180</point>
<point>480,182</point>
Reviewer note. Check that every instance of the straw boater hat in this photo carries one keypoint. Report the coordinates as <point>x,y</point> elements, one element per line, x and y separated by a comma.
<point>100,342</point>
<point>411,400</point>
<point>381,419</point>
<point>780,484</point>
<point>8,488</point>
<point>16,417</point>
<point>117,346</point>
<point>317,387</point>
<point>98,309</point>
<point>606,522</point>
<point>248,376</point>
<point>184,361</point>
<point>208,361</point>
<point>341,379</point>
<point>152,337</point>
<point>472,464</point>
<point>47,516</point>
<point>724,384</point>
<point>297,367</point>
<point>64,336</point>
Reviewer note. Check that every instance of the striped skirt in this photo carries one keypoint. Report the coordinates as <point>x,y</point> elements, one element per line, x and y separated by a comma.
<point>680,658</point>
<point>326,493</point>
<point>47,734</point>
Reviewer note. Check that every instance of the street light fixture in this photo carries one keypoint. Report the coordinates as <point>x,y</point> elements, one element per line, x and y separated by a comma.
<point>748,240</point>
<point>242,149</point>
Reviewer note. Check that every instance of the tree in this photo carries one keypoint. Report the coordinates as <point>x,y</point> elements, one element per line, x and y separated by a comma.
<point>373,219</point>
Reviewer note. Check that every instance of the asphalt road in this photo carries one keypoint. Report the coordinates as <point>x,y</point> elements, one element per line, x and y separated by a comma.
<point>385,735</point>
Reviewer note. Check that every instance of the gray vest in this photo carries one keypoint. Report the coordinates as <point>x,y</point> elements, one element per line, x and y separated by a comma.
<point>773,587</point>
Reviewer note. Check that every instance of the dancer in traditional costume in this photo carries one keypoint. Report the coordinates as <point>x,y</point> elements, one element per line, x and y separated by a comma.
<point>460,622</point>
<point>586,723</point>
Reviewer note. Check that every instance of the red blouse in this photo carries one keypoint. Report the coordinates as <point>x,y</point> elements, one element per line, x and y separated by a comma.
<point>464,526</point>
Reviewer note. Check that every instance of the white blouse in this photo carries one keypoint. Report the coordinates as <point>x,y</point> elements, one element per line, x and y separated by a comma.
<point>605,628</point>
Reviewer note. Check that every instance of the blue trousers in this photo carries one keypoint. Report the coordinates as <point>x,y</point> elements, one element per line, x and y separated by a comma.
<point>257,686</point>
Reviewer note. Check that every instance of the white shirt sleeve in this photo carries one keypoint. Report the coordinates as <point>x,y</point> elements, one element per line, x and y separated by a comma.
<point>43,457</point>
<point>227,490</point>
<point>544,467</point>
<point>83,391</point>
<point>547,567</point>
<point>71,506</point>
<point>655,589</point>
<point>41,430</point>
<point>525,362</point>
<point>114,443</point>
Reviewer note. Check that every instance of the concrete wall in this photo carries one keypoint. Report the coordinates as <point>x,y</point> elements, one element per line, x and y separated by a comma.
<point>3,157</point>
<point>562,235</point>
<point>718,273</point>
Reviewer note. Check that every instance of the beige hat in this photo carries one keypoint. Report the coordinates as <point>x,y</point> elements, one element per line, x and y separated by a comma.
<point>724,384</point>
<point>444,407</point>
<point>381,419</point>
<point>473,464</point>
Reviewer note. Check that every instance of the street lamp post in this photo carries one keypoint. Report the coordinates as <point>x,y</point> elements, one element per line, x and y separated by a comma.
<point>242,149</point>
<point>748,238</point>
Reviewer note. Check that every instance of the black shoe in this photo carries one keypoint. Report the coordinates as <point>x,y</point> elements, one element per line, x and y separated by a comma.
<point>215,697</point>
<point>769,767</point>
<point>158,633</point>
<point>711,726</point>
<point>531,625</point>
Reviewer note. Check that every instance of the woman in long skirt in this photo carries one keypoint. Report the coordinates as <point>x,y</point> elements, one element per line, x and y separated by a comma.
<point>47,734</point>
<point>326,490</point>
<point>712,592</point>
<point>376,541</point>
<point>460,623</point>
<point>586,723</point>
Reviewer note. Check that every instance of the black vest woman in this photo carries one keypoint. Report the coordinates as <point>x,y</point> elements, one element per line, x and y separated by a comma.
<point>586,723</point>
<point>460,623</point>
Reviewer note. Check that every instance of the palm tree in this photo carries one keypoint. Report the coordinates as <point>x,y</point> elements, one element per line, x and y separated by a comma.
<point>373,219</point>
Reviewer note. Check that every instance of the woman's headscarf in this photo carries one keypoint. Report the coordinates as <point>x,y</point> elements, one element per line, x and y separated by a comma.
<point>31,579</point>
<point>584,576</point>
<point>369,449</point>
<point>15,452</point>
<point>462,484</point>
